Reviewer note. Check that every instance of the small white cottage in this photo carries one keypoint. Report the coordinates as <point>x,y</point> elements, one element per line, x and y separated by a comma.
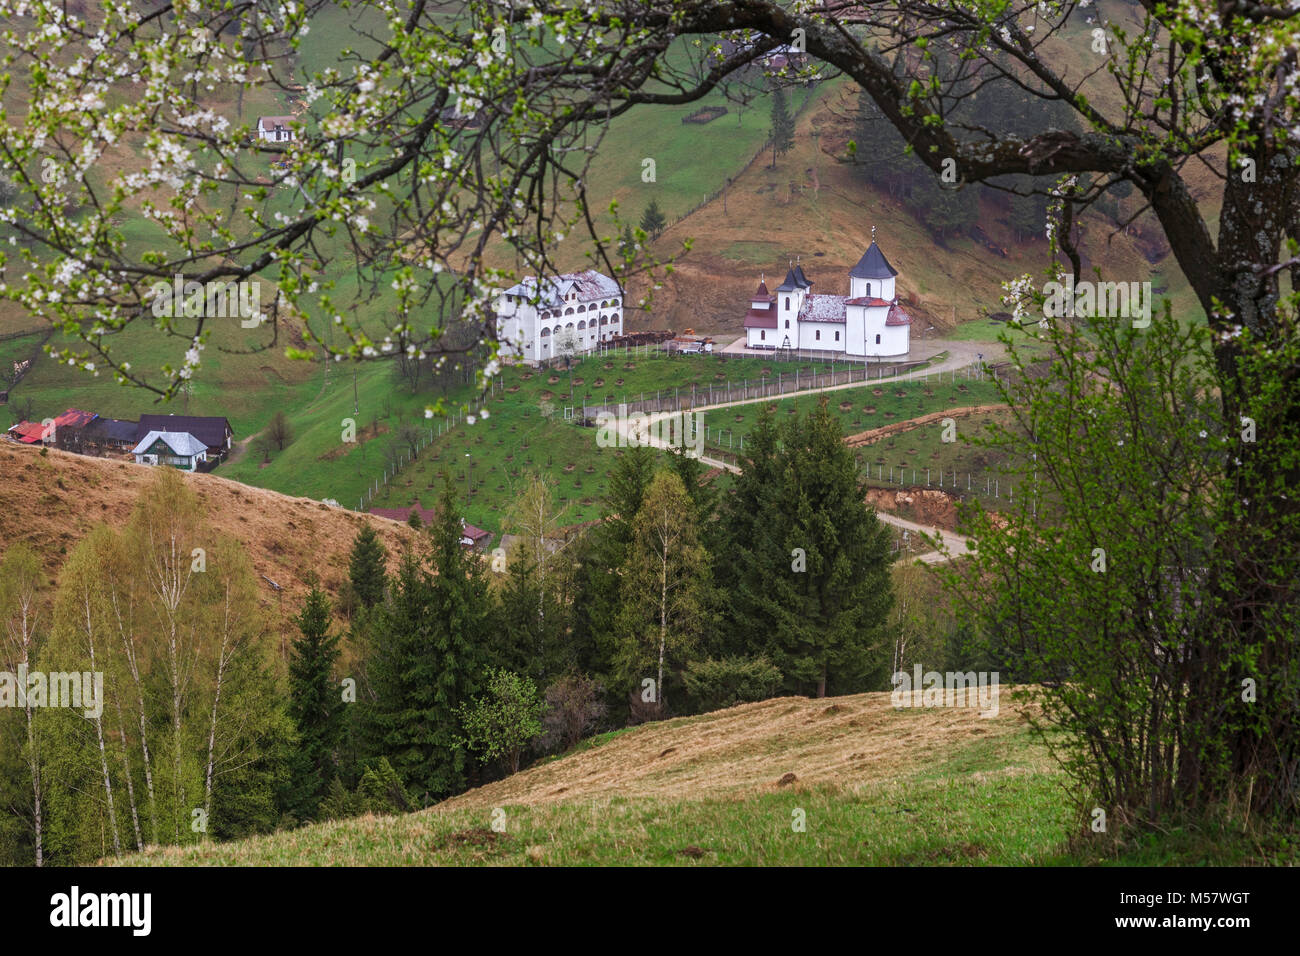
<point>176,449</point>
<point>275,129</point>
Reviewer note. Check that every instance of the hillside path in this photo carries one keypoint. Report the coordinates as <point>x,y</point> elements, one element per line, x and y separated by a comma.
<point>956,545</point>
<point>960,355</point>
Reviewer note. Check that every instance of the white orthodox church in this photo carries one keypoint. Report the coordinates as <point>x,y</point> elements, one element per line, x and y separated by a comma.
<point>585,305</point>
<point>866,323</point>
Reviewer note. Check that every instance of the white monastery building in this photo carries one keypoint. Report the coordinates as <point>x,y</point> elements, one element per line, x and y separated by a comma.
<point>530,321</point>
<point>866,323</point>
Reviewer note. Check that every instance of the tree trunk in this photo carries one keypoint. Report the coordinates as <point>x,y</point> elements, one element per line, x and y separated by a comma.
<point>663,626</point>
<point>222,660</point>
<point>34,760</point>
<point>126,774</point>
<point>133,665</point>
<point>99,734</point>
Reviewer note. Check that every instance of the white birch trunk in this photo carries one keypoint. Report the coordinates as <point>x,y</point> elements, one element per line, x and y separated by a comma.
<point>99,729</point>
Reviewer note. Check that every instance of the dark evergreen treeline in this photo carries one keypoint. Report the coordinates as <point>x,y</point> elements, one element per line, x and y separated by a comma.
<point>452,669</point>
<point>678,601</point>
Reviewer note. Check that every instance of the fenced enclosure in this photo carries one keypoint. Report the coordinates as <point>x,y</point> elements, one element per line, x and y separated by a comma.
<point>784,383</point>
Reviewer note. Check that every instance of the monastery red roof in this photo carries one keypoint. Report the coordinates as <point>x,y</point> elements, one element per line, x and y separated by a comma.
<point>761,318</point>
<point>897,316</point>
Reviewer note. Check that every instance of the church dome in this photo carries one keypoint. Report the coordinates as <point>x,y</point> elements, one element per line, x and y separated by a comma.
<point>873,265</point>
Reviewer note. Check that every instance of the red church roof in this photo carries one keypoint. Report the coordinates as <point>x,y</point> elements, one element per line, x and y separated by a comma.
<point>897,316</point>
<point>869,301</point>
<point>761,318</point>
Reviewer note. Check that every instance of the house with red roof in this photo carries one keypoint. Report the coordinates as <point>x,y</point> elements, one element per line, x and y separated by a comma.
<point>869,322</point>
<point>275,129</point>
<point>31,433</point>
<point>471,537</point>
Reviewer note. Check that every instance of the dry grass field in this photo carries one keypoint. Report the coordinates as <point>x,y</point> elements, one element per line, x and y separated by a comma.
<point>51,501</point>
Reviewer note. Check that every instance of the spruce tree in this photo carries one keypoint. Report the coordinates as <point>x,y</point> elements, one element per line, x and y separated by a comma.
<point>366,566</point>
<point>527,642</point>
<point>602,552</point>
<point>782,125</point>
<point>626,241</point>
<point>433,641</point>
<point>744,516</point>
<point>814,586</point>
<point>315,704</point>
<point>703,496</point>
<point>653,222</point>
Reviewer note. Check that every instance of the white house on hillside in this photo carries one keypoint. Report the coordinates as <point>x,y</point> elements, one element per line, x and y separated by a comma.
<point>177,449</point>
<point>586,305</point>
<point>275,129</point>
<point>866,323</point>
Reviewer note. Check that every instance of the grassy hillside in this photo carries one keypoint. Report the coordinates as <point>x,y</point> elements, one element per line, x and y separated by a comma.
<point>51,501</point>
<point>525,431</point>
<point>873,785</point>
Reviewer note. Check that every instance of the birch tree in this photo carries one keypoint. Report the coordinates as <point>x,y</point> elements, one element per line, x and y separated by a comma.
<point>168,544</point>
<point>121,593</point>
<point>79,625</point>
<point>665,582</point>
<point>20,583</point>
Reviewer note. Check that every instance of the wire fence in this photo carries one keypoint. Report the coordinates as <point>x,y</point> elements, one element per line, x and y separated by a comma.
<point>782,384</point>
<point>394,468</point>
<point>995,486</point>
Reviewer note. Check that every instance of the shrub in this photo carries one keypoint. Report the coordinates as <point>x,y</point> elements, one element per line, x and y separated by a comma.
<point>715,684</point>
<point>574,706</point>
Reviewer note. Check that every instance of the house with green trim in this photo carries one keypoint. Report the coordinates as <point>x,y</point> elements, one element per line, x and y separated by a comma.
<point>175,449</point>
